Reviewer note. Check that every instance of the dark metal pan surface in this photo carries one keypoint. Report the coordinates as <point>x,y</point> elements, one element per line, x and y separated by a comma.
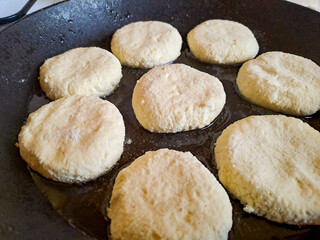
<point>31,206</point>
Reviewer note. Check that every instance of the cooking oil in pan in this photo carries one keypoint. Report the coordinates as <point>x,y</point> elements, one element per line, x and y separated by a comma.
<point>85,205</point>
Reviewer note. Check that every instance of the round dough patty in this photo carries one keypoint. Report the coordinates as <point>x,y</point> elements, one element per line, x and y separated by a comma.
<point>177,98</point>
<point>281,82</point>
<point>222,42</point>
<point>166,194</point>
<point>146,44</point>
<point>73,139</point>
<point>272,164</point>
<point>80,71</point>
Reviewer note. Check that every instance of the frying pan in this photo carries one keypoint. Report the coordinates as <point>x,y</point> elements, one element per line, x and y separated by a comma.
<point>32,207</point>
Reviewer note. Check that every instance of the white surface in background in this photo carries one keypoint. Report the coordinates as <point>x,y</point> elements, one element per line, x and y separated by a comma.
<point>9,7</point>
<point>313,4</point>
